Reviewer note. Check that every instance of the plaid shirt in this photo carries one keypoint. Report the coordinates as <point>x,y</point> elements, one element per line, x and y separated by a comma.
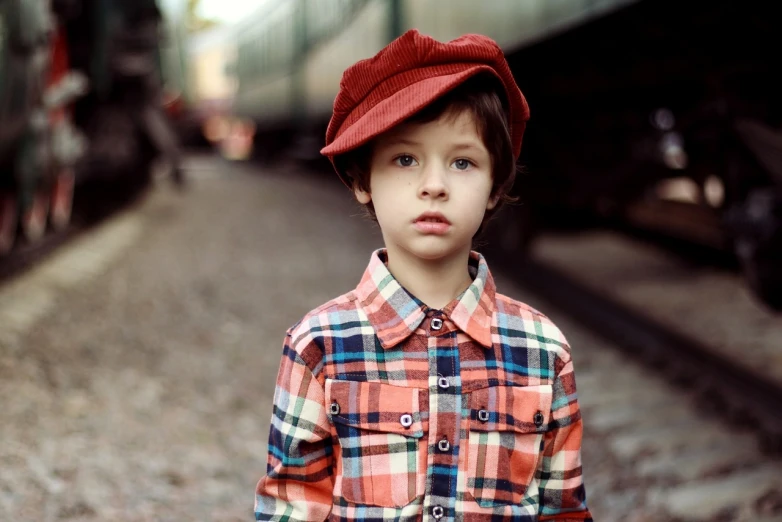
<point>386,409</point>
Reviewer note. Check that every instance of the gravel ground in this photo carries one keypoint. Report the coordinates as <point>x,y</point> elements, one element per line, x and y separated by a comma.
<point>145,394</point>
<point>144,390</point>
<point>708,304</point>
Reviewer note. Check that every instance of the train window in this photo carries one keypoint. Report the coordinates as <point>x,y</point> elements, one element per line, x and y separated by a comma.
<point>249,56</point>
<point>263,53</point>
<point>284,48</point>
<point>268,48</point>
<point>240,61</point>
<point>260,53</point>
<point>324,19</point>
<point>271,47</point>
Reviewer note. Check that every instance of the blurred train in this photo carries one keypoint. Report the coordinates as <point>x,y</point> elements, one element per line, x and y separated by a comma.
<point>81,97</point>
<point>662,113</point>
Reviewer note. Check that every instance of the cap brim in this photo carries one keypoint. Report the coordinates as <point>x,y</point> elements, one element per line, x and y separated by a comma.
<point>396,109</point>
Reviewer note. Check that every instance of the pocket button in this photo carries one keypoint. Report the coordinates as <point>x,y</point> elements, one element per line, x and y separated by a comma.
<point>334,408</point>
<point>406,420</point>
<point>483,415</point>
<point>538,419</point>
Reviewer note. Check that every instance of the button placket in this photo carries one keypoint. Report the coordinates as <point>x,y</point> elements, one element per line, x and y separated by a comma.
<point>445,412</point>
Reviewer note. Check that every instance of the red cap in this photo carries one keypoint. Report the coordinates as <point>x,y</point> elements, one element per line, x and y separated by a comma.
<point>407,75</point>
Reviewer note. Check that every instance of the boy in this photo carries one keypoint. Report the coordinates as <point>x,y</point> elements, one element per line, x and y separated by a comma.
<point>423,393</point>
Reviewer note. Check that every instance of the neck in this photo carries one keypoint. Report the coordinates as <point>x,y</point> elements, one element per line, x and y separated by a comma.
<point>436,282</point>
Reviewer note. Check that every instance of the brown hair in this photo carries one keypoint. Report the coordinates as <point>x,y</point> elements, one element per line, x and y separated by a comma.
<point>482,96</point>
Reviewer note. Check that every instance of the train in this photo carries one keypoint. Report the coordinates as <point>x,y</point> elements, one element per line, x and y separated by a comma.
<point>83,89</point>
<point>658,113</point>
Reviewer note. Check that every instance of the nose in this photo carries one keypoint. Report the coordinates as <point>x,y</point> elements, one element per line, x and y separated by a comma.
<point>433,183</point>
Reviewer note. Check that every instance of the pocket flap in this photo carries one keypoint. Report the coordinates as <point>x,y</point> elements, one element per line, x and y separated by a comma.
<point>524,409</point>
<point>375,406</point>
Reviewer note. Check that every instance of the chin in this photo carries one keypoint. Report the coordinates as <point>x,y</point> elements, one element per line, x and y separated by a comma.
<point>430,250</point>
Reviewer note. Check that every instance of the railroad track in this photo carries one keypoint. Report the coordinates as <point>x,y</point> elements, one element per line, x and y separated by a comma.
<point>723,385</point>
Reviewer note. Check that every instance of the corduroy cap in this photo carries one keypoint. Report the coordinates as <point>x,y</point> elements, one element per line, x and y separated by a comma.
<point>407,75</point>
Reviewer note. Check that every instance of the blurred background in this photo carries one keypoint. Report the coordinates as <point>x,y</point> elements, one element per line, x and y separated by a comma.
<point>165,216</point>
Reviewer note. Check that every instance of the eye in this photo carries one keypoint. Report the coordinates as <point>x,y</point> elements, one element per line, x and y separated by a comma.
<point>462,164</point>
<point>405,160</point>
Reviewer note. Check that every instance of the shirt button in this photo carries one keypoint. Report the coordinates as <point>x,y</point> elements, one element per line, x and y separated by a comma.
<point>406,420</point>
<point>444,445</point>
<point>438,512</point>
<point>442,382</point>
<point>538,419</point>
<point>436,323</point>
<point>483,415</point>
<point>334,408</point>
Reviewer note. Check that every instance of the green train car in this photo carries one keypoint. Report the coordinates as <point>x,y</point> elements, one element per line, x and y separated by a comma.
<point>661,113</point>
<point>291,54</point>
<point>80,88</point>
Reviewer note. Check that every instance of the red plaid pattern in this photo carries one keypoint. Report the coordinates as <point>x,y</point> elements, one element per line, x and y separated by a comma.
<point>506,427</point>
<point>388,410</point>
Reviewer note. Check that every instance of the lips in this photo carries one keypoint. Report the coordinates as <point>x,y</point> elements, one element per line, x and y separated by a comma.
<point>432,217</point>
<point>432,223</point>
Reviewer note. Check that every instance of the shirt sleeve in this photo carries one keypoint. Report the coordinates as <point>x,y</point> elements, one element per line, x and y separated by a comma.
<point>299,481</point>
<point>562,494</point>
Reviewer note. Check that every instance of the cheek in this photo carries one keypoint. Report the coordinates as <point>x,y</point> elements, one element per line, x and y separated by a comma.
<point>474,201</point>
<point>480,191</point>
<point>388,193</point>
<point>387,207</point>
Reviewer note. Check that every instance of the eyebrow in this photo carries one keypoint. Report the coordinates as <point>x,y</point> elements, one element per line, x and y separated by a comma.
<point>467,145</point>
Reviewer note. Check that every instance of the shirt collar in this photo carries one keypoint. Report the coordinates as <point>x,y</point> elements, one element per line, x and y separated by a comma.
<point>395,314</point>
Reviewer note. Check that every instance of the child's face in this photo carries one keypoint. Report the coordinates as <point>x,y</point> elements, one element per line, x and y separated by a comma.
<point>438,167</point>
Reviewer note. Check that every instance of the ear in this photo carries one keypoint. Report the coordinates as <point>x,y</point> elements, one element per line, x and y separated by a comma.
<point>362,196</point>
<point>493,200</point>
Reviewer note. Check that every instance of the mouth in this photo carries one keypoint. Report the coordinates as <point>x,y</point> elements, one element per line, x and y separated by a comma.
<point>432,223</point>
<point>432,217</point>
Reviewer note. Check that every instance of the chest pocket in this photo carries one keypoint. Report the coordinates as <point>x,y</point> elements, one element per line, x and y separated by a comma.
<point>507,424</point>
<point>379,427</point>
